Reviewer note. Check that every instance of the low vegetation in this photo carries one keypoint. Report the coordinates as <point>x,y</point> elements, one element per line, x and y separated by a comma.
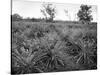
<point>51,47</point>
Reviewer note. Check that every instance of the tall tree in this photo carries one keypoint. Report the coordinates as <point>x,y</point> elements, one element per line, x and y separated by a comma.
<point>49,12</point>
<point>84,14</point>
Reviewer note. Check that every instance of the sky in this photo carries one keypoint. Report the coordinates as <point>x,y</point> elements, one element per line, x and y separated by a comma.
<point>32,9</point>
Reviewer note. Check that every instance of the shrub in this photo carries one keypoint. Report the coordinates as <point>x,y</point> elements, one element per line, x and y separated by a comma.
<point>88,57</point>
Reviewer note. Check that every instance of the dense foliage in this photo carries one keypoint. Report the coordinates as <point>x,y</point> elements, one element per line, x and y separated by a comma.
<point>16,17</point>
<point>84,14</point>
<point>49,12</point>
<point>45,48</point>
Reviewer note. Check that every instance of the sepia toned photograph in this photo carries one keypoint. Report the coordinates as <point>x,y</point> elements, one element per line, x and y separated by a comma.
<point>52,37</point>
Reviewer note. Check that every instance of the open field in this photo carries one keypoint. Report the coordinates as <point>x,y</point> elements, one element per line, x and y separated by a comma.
<point>50,47</point>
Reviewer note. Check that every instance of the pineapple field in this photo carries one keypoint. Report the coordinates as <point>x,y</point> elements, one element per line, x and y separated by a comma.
<point>38,47</point>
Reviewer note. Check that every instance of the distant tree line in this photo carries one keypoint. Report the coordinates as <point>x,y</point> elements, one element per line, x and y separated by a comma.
<point>49,13</point>
<point>17,17</point>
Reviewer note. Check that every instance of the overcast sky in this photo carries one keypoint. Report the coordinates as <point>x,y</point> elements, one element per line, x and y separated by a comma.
<point>32,9</point>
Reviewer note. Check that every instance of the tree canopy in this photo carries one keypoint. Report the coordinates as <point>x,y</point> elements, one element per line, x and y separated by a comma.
<point>49,12</point>
<point>84,14</point>
<point>16,17</point>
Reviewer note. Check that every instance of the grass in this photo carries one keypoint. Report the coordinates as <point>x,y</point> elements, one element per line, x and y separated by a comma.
<point>51,47</point>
